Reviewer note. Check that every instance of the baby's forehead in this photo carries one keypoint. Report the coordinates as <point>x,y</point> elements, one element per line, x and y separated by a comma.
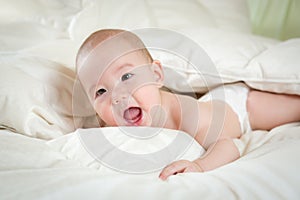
<point>99,53</point>
<point>108,50</point>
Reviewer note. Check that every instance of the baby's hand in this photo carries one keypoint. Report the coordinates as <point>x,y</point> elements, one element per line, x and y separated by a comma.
<point>180,166</point>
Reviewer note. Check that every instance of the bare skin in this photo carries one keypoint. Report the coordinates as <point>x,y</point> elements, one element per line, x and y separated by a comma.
<point>266,111</point>
<point>114,98</point>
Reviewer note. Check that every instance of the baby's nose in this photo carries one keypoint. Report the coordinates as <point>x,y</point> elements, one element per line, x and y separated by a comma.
<point>119,97</point>
<point>118,100</point>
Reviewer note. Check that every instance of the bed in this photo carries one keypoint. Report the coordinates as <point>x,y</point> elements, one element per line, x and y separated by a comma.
<point>43,130</point>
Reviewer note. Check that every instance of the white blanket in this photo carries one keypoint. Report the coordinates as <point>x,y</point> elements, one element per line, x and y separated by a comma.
<point>31,169</point>
<point>41,153</point>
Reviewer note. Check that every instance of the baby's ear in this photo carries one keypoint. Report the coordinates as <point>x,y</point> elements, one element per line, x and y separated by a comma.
<point>158,72</point>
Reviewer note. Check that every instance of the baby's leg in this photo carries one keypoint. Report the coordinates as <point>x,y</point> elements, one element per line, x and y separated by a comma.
<point>268,110</point>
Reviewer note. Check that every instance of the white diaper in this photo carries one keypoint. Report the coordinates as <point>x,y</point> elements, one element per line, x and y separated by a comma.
<point>235,95</point>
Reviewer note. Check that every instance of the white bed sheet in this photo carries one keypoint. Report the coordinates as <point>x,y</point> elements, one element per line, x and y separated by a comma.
<point>33,168</point>
<point>268,169</point>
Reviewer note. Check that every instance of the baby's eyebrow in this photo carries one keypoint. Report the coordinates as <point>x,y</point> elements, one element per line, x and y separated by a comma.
<point>122,66</point>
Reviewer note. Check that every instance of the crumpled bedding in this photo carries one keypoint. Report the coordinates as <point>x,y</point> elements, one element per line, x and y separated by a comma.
<point>34,169</point>
<point>41,154</point>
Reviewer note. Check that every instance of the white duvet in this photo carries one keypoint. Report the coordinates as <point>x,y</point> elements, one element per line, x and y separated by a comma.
<point>31,169</point>
<point>42,152</point>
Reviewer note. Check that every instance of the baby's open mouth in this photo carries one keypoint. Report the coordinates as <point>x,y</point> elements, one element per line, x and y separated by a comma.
<point>133,115</point>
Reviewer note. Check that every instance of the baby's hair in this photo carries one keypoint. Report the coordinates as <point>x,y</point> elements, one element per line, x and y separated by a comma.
<point>101,35</point>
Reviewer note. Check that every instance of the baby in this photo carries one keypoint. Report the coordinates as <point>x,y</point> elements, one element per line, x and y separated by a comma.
<point>124,84</point>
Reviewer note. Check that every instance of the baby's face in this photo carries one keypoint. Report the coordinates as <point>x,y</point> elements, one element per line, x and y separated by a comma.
<point>127,90</point>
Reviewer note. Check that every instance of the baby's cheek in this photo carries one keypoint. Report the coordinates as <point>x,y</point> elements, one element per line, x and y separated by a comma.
<point>142,94</point>
<point>103,111</point>
<point>108,117</point>
<point>147,95</point>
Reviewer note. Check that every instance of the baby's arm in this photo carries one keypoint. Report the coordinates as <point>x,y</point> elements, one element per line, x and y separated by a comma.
<point>220,152</point>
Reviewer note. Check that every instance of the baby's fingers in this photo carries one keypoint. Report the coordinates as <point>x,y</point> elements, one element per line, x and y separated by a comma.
<point>174,168</point>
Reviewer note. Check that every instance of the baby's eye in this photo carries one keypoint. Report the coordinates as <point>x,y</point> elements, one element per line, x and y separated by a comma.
<point>100,92</point>
<point>126,76</point>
